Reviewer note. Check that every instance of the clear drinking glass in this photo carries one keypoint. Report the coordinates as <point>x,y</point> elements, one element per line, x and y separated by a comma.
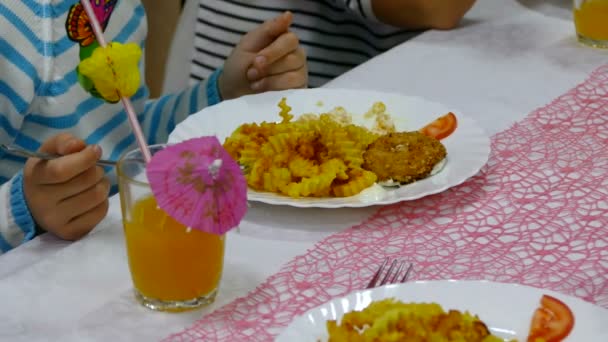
<point>591,22</point>
<point>173,267</point>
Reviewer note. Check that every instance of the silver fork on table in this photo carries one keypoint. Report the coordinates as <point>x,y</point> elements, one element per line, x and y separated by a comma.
<point>383,276</point>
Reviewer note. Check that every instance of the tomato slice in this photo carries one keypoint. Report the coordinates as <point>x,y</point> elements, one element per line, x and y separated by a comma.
<point>552,321</point>
<point>441,127</point>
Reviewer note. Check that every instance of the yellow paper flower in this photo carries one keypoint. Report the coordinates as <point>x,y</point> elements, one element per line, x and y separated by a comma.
<point>114,70</point>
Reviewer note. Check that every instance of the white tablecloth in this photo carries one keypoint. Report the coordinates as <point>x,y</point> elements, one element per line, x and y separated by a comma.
<point>508,58</point>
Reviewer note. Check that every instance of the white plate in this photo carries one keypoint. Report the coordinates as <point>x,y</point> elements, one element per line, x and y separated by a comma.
<point>505,308</point>
<point>468,147</point>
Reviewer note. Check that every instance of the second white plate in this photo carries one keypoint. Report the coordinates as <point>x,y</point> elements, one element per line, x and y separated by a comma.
<point>505,308</point>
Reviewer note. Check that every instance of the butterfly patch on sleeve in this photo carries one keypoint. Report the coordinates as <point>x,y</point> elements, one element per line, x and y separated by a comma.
<point>79,29</point>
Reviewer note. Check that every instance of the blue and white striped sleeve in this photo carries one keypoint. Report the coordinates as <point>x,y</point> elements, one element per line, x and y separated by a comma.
<point>163,114</point>
<point>19,78</point>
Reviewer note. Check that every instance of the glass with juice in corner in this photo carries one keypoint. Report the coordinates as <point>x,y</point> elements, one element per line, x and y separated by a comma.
<point>591,22</point>
<point>173,267</point>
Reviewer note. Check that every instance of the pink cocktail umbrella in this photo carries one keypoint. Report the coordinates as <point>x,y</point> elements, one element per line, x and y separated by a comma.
<point>199,184</point>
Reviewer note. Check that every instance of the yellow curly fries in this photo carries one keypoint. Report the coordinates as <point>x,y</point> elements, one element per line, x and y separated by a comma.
<point>391,320</point>
<point>314,156</point>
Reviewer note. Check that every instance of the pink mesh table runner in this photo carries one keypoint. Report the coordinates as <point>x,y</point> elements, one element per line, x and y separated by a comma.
<point>537,214</point>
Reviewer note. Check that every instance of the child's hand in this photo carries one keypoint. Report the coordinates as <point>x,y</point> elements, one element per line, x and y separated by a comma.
<point>67,196</point>
<point>267,58</point>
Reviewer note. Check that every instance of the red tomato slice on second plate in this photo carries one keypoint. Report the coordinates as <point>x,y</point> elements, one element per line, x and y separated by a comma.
<point>442,127</point>
<point>552,321</point>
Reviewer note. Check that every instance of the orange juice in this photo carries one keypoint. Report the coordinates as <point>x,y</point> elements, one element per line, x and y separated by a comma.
<point>168,261</point>
<point>591,20</point>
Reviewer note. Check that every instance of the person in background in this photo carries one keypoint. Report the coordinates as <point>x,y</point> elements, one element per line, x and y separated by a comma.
<point>337,35</point>
<point>47,104</point>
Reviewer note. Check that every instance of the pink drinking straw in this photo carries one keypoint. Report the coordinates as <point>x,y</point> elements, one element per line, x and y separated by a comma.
<point>126,102</point>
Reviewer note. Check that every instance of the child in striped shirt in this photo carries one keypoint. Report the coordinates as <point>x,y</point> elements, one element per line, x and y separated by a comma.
<point>47,105</point>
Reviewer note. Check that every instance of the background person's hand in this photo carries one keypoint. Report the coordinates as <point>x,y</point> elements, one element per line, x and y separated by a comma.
<point>67,196</point>
<point>267,58</point>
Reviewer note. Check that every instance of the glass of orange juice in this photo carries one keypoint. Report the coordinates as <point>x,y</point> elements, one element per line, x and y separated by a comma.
<point>173,267</point>
<point>591,21</point>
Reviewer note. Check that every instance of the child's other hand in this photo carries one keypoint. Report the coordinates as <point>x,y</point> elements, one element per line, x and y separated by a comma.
<point>67,196</point>
<point>267,58</point>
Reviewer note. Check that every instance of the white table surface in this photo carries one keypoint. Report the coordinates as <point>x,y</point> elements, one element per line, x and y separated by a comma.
<point>508,58</point>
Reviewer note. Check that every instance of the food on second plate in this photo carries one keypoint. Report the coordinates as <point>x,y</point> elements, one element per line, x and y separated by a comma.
<point>392,320</point>
<point>442,127</point>
<point>403,157</point>
<point>552,321</point>
<point>314,156</point>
